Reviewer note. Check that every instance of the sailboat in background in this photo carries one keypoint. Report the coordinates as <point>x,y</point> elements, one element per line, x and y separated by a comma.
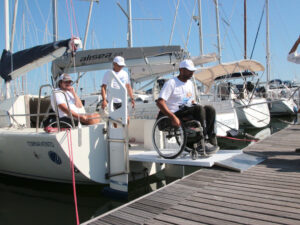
<point>280,101</point>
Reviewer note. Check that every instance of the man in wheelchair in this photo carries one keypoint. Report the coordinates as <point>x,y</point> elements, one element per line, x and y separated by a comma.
<point>177,101</point>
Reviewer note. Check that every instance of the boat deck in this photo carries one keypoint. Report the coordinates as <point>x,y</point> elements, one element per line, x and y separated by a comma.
<point>268,193</point>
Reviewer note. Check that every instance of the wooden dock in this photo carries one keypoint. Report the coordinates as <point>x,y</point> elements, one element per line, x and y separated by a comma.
<point>268,193</point>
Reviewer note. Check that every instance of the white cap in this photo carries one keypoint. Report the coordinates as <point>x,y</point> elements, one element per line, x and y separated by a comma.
<point>65,77</point>
<point>188,64</point>
<point>119,60</point>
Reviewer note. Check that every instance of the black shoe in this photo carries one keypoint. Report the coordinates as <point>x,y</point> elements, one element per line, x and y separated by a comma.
<point>211,149</point>
<point>213,140</point>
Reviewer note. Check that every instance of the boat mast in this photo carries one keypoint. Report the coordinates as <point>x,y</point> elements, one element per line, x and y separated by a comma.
<point>55,27</point>
<point>218,29</point>
<point>267,43</point>
<point>129,24</point>
<point>200,28</point>
<point>6,16</point>
<point>85,37</point>
<point>129,18</point>
<point>245,29</point>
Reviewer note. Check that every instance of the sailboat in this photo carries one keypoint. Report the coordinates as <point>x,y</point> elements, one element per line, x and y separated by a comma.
<point>100,151</point>
<point>251,111</point>
<point>279,102</point>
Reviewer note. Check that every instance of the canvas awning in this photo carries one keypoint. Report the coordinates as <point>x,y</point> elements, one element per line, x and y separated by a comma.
<point>208,75</point>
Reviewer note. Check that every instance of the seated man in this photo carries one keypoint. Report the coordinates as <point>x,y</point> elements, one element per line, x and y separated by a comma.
<point>176,100</point>
<point>75,104</point>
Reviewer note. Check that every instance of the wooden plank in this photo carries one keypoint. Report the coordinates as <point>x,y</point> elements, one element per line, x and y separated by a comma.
<point>170,219</point>
<point>147,208</point>
<point>264,181</point>
<point>192,217</point>
<point>156,222</point>
<point>209,200</point>
<point>152,203</point>
<point>279,189</point>
<point>249,200</point>
<point>255,193</point>
<point>128,217</point>
<point>225,216</point>
<point>234,211</point>
<point>116,221</point>
<point>138,212</point>
<point>98,222</point>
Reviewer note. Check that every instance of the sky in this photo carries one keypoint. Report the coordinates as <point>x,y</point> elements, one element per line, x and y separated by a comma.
<point>152,25</point>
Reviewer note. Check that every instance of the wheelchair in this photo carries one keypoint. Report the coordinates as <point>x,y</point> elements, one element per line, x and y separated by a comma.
<point>170,141</point>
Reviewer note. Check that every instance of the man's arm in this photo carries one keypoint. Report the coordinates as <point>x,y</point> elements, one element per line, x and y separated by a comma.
<point>103,94</point>
<point>63,107</point>
<point>161,104</point>
<point>295,46</point>
<point>78,101</point>
<point>130,93</point>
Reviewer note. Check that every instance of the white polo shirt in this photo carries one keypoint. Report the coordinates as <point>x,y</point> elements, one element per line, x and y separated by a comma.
<point>60,99</point>
<point>177,93</point>
<point>122,75</point>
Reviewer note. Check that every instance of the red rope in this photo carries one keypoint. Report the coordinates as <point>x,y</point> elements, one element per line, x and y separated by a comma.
<point>69,137</point>
<point>75,21</point>
<point>69,17</point>
<point>239,139</point>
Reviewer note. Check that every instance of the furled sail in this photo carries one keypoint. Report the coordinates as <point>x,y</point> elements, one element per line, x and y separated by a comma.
<point>16,64</point>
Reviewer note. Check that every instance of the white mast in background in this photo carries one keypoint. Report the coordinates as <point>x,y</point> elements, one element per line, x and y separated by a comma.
<point>267,43</point>
<point>218,29</point>
<point>6,15</point>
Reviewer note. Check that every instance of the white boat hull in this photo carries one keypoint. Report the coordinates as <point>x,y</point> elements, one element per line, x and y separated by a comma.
<point>226,116</point>
<point>256,114</point>
<point>44,156</point>
<point>283,106</point>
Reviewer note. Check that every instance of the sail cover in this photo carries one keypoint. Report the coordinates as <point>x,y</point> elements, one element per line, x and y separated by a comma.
<point>101,59</point>
<point>16,64</point>
<point>140,73</point>
<point>208,75</point>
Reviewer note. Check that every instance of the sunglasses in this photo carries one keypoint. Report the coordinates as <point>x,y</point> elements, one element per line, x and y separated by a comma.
<point>68,82</point>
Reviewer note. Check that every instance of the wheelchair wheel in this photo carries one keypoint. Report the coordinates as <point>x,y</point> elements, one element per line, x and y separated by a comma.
<point>168,141</point>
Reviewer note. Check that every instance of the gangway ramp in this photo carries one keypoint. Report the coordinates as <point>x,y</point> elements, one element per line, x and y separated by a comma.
<point>232,159</point>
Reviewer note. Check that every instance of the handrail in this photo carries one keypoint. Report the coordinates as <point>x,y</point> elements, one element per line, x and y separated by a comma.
<point>56,107</point>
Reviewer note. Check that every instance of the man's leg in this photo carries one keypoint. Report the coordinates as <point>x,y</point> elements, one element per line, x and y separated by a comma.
<point>196,112</point>
<point>210,124</point>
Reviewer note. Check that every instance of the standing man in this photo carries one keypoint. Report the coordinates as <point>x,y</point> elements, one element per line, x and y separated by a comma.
<point>118,64</point>
<point>293,55</point>
<point>177,101</point>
